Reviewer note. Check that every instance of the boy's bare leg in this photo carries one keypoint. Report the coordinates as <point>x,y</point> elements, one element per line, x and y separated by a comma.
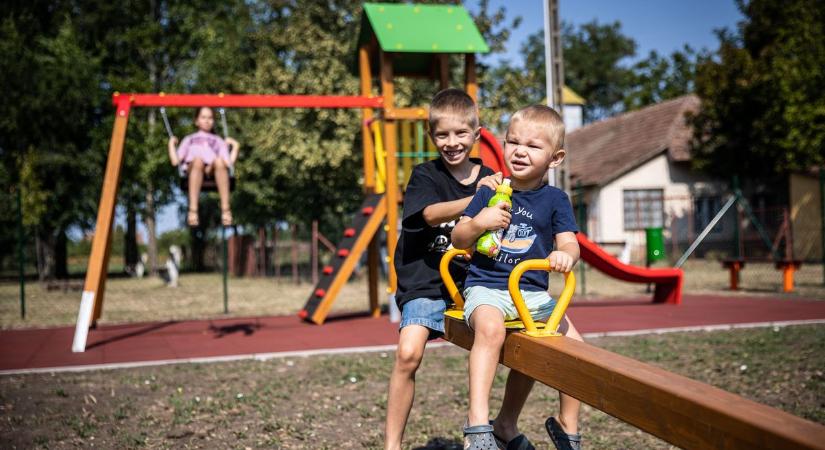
<point>568,416</point>
<point>516,391</point>
<point>408,356</point>
<point>222,180</point>
<point>196,169</point>
<point>488,325</point>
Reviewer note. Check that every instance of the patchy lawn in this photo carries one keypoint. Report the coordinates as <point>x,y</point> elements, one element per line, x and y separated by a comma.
<point>339,401</point>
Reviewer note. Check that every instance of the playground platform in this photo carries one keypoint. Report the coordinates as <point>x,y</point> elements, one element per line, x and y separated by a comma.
<point>128,345</point>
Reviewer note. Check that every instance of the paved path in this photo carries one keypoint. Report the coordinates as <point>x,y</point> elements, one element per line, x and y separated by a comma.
<point>153,343</point>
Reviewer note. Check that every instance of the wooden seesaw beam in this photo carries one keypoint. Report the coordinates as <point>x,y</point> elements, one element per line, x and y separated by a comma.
<point>681,411</point>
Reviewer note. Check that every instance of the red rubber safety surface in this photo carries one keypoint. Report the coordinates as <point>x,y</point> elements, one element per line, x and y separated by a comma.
<point>51,347</point>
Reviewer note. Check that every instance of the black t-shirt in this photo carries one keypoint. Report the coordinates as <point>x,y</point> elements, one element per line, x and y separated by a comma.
<point>421,246</point>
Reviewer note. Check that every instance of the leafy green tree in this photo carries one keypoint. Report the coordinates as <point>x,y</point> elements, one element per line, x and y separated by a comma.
<point>656,78</point>
<point>763,107</point>
<point>44,135</point>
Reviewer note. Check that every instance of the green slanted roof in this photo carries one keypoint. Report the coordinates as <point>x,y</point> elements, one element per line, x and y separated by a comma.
<point>419,31</point>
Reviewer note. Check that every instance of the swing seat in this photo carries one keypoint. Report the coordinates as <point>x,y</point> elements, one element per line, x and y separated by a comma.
<point>209,184</point>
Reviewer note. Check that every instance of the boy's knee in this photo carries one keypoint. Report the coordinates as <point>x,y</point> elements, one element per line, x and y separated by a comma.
<point>408,357</point>
<point>492,332</point>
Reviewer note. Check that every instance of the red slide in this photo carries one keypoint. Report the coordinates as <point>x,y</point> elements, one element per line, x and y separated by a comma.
<point>491,153</point>
<point>668,281</point>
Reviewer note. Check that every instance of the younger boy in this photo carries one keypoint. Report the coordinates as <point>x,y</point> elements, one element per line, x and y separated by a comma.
<point>436,195</point>
<point>540,220</point>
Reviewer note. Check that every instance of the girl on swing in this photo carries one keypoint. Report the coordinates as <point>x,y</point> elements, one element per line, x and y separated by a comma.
<point>205,153</point>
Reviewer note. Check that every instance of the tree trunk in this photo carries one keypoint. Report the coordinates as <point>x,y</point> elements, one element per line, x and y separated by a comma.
<point>130,247</point>
<point>61,269</point>
<point>149,221</point>
<point>45,255</point>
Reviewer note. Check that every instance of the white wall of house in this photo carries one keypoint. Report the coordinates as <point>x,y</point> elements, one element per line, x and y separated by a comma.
<point>679,185</point>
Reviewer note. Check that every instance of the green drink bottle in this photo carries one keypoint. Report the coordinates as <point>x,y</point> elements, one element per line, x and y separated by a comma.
<point>489,244</point>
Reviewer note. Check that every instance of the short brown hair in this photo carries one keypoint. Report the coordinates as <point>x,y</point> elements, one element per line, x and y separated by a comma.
<point>546,118</point>
<point>454,102</point>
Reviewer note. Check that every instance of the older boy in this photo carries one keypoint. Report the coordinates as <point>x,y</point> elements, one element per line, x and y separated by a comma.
<point>540,220</point>
<point>436,195</point>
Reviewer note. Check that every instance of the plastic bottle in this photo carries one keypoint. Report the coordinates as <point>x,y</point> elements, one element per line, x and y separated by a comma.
<point>489,244</point>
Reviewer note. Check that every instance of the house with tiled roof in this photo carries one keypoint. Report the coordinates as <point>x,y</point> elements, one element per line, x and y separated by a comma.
<point>633,172</point>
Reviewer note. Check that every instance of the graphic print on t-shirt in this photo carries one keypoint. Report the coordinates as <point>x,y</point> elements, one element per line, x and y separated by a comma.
<point>519,239</point>
<point>441,240</point>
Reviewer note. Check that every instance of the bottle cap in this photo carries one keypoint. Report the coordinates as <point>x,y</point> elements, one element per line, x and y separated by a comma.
<point>504,187</point>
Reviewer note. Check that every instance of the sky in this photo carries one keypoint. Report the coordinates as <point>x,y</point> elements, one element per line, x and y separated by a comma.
<point>663,25</point>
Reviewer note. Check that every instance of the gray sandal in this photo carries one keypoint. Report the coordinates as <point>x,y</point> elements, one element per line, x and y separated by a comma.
<point>479,437</point>
<point>562,440</point>
<point>519,442</point>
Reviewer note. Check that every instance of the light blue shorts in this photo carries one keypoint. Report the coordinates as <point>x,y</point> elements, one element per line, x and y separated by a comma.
<point>427,312</point>
<point>539,303</point>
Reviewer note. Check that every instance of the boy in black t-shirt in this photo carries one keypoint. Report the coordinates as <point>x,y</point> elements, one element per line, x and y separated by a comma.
<point>437,194</point>
<point>539,224</point>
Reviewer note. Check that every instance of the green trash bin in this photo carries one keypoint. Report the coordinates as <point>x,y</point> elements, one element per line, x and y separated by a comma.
<point>655,244</point>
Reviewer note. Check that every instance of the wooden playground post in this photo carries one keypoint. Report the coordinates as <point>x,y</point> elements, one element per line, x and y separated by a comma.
<point>366,116</point>
<point>91,302</point>
<point>390,144</point>
<point>471,87</point>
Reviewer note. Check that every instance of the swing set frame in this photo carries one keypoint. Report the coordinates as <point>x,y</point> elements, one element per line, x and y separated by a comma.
<point>91,302</point>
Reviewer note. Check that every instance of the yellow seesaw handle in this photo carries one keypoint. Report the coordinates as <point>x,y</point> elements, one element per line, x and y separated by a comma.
<point>515,293</point>
<point>444,268</point>
<point>561,303</point>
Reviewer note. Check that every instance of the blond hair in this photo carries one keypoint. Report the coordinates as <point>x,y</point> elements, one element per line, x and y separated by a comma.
<point>453,102</point>
<point>545,118</point>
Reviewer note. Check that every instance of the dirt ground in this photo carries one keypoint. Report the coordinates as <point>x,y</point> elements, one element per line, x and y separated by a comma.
<point>332,402</point>
<point>200,296</point>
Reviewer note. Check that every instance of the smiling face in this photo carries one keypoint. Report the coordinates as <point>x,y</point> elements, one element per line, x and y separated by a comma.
<point>454,138</point>
<point>205,119</point>
<point>529,150</point>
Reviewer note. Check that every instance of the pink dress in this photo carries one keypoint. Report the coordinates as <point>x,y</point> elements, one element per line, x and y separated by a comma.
<point>206,146</point>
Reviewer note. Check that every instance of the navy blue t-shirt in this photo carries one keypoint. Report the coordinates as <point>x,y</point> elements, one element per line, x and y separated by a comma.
<point>538,215</point>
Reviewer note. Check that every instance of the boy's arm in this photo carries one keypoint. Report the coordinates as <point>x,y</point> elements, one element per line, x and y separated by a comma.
<point>567,252</point>
<point>438,213</point>
<point>470,228</point>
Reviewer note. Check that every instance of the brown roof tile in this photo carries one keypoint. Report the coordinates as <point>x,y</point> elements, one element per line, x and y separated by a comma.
<point>602,151</point>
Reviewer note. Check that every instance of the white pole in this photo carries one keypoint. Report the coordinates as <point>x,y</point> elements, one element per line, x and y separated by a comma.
<point>548,70</point>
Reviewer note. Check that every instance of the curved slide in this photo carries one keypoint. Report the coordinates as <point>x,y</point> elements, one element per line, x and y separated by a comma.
<point>668,281</point>
<point>491,152</point>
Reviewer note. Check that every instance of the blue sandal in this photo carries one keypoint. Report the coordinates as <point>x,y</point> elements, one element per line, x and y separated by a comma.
<point>479,437</point>
<point>562,440</point>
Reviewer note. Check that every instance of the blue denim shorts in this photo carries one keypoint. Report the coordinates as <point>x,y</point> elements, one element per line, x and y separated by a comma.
<point>427,312</point>
<point>539,303</point>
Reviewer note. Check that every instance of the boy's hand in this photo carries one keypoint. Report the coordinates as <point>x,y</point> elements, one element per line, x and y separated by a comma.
<point>493,217</point>
<point>491,181</point>
<point>560,261</point>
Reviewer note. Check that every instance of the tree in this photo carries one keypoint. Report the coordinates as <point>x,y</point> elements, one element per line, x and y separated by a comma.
<point>52,87</point>
<point>656,79</point>
<point>762,99</point>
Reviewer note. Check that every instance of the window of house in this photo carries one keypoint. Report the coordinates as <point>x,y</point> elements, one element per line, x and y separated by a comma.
<point>643,208</point>
<point>704,210</point>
